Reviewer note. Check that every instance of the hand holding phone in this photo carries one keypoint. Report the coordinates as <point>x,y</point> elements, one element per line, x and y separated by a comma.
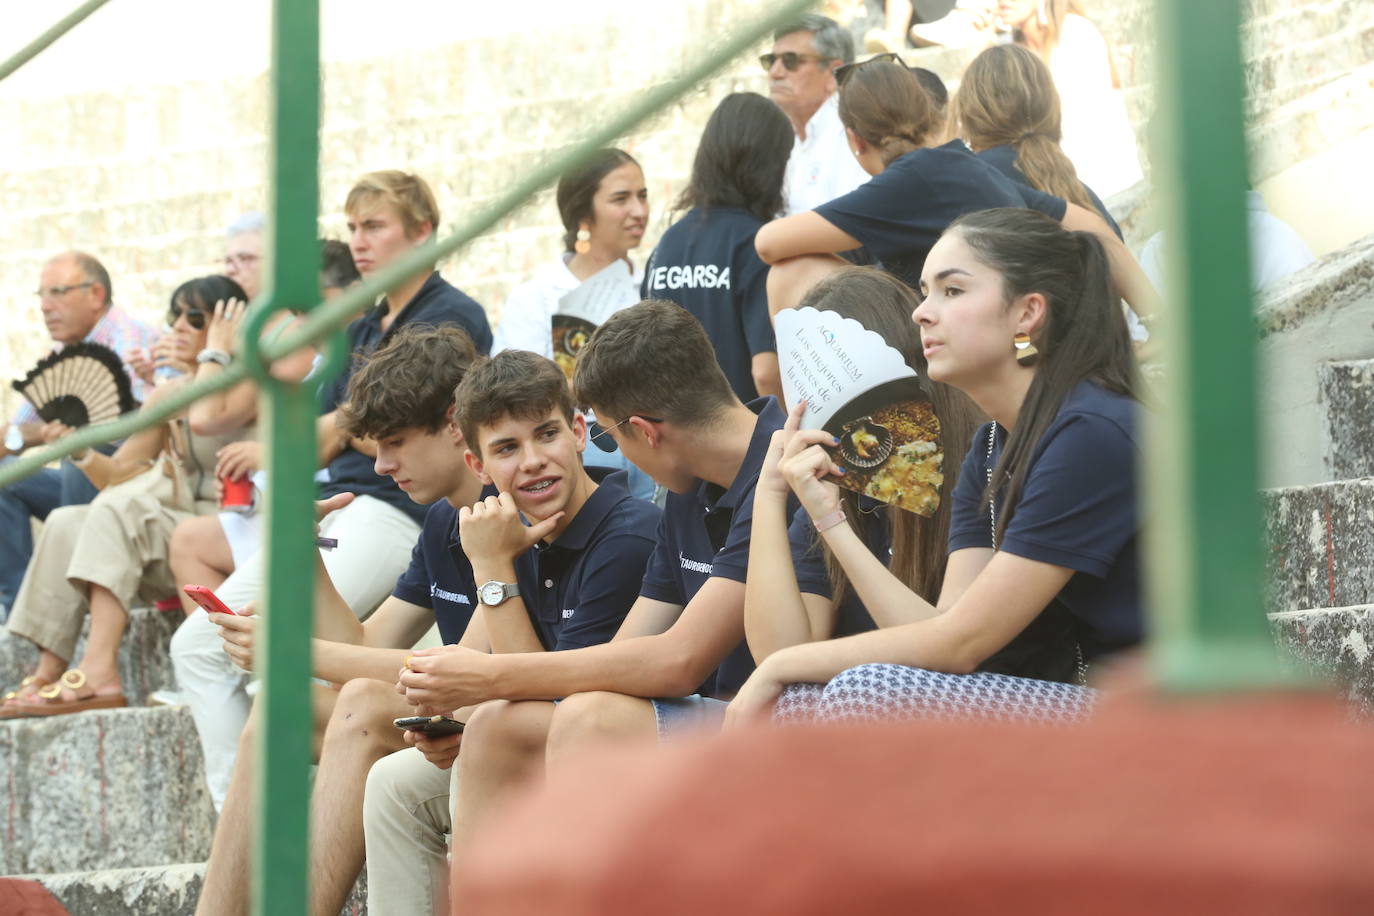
<point>207,599</point>
<point>429,726</point>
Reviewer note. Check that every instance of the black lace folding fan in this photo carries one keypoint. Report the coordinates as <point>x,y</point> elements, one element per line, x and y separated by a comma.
<point>81,383</point>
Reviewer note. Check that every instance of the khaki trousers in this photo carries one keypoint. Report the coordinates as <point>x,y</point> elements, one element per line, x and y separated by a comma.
<point>407,813</point>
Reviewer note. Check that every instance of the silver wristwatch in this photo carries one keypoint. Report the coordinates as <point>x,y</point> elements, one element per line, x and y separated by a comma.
<point>14,439</point>
<point>493,593</point>
<point>218,357</point>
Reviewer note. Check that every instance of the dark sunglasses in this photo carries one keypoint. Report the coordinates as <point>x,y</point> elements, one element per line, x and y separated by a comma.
<point>791,60</point>
<point>845,72</point>
<point>601,437</point>
<point>194,317</point>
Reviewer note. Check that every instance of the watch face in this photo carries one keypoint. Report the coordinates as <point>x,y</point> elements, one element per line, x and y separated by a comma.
<point>492,593</point>
<point>14,439</point>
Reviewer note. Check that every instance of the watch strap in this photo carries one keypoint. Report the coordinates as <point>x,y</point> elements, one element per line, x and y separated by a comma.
<point>826,522</point>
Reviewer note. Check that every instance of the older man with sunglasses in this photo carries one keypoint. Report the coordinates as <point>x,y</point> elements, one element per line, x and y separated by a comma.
<point>75,295</point>
<point>801,80</point>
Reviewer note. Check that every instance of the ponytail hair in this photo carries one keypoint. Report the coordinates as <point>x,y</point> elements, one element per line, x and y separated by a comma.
<point>1007,98</point>
<point>886,105</point>
<point>1083,336</point>
<point>579,185</point>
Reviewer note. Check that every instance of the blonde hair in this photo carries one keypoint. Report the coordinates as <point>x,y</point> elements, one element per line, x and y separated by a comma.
<point>409,194</point>
<point>1007,98</point>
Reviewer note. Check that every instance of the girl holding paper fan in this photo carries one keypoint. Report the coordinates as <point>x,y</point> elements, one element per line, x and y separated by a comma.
<point>916,191</point>
<point>1019,315</point>
<point>104,557</point>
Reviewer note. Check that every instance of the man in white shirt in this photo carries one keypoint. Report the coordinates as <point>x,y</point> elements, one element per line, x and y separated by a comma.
<point>801,80</point>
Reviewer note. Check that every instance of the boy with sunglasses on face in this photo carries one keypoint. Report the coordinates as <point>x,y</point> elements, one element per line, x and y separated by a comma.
<point>801,80</point>
<point>650,374</point>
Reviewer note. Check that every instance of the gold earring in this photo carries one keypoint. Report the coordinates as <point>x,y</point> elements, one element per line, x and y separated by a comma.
<point>584,239</point>
<point>1026,352</point>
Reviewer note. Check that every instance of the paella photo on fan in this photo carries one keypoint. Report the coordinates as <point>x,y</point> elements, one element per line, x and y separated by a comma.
<point>890,446</point>
<point>570,335</point>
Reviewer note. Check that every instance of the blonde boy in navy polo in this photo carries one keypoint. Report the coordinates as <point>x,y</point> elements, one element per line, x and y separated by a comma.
<point>651,376</point>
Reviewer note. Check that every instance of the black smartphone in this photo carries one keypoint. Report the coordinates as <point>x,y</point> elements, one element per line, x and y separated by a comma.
<point>430,726</point>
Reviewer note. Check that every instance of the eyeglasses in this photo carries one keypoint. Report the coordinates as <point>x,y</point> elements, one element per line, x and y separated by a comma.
<point>791,60</point>
<point>57,292</point>
<point>194,317</point>
<point>601,435</point>
<point>241,260</point>
<point>845,72</point>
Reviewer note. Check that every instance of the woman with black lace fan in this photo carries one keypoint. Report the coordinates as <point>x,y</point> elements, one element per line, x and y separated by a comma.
<point>104,557</point>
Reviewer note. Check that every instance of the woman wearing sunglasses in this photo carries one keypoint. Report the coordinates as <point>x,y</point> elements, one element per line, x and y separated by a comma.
<point>106,556</point>
<point>915,193</point>
<point>1019,315</point>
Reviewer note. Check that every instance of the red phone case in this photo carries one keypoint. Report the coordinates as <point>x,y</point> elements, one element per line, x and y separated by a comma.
<point>206,599</point>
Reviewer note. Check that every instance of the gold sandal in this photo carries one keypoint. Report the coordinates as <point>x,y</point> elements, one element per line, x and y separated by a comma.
<point>72,679</point>
<point>10,710</point>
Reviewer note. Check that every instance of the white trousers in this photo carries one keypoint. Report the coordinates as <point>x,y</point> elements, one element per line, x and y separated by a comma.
<point>407,812</point>
<point>375,541</point>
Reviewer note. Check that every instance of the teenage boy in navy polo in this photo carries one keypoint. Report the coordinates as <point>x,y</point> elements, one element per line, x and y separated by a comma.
<point>401,399</point>
<point>651,376</point>
<point>390,214</point>
<point>563,582</point>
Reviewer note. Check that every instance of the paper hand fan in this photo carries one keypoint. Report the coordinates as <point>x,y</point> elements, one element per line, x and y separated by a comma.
<point>82,383</point>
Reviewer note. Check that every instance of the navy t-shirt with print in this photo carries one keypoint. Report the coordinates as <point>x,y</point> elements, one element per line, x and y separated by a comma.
<point>900,214</point>
<point>1077,510</point>
<point>439,576</point>
<point>705,533</point>
<point>706,263</point>
<point>1003,159</point>
<point>578,589</point>
<point>437,303</point>
<point>808,561</point>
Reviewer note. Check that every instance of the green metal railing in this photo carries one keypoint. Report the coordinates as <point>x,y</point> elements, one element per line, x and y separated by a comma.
<point>1204,551</point>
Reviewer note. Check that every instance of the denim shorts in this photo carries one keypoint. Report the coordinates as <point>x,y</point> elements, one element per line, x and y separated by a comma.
<point>676,716</point>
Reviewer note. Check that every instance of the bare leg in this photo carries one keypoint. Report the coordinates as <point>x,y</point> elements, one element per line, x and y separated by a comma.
<point>503,747</point>
<point>199,554</point>
<point>358,735</point>
<point>100,661</point>
<point>898,15</point>
<point>789,281</point>
<point>587,719</point>
<point>227,879</point>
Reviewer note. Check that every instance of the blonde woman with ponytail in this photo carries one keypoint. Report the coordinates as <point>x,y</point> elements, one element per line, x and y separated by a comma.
<point>1008,112</point>
<point>916,191</point>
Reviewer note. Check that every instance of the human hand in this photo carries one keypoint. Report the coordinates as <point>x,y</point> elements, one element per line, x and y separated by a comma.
<point>756,697</point>
<point>770,478</point>
<point>446,677</point>
<point>325,506</point>
<point>238,632</point>
<point>441,750</point>
<point>238,459</point>
<point>141,362</point>
<point>491,530</point>
<point>54,430</point>
<point>809,471</point>
<point>173,351</point>
<point>224,325</point>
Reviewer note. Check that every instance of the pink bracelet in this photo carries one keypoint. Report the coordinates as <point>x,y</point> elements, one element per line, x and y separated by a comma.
<point>826,522</point>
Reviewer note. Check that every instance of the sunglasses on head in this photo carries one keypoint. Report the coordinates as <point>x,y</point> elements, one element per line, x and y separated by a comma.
<point>791,60</point>
<point>845,72</point>
<point>601,436</point>
<point>194,317</point>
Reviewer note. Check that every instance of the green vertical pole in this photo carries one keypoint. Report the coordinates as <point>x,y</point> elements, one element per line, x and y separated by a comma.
<point>1208,630</point>
<point>280,879</point>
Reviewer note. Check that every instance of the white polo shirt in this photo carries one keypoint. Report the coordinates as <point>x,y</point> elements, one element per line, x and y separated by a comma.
<point>821,167</point>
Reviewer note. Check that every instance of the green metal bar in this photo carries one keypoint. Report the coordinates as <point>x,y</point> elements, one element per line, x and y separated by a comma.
<point>284,753</point>
<point>59,28</point>
<point>1206,569</point>
<point>336,313</point>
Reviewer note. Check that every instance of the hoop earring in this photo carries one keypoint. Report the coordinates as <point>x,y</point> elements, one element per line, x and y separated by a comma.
<point>1026,353</point>
<point>584,239</point>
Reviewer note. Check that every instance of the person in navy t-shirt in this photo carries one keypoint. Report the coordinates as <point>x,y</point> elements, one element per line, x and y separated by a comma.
<point>706,261</point>
<point>649,375</point>
<point>1019,314</point>
<point>916,192</point>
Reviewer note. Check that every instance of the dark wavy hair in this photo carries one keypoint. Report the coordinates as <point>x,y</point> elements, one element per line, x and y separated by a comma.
<point>741,158</point>
<point>202,293</point>
<point>1083,336</point>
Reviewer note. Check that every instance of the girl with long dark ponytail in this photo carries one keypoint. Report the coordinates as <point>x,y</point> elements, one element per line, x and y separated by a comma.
<point>1042,578</point>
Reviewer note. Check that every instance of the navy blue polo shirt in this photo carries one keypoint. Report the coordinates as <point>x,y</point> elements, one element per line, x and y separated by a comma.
<point>439,576</point>
<point>808,562</point>
<point>1077,510</point>
<point>578,589</point>
<point>706,263</point>
<point>436,303</point>
<point>901,212</point>
<point>705,533</point>
<point>1003,159</point>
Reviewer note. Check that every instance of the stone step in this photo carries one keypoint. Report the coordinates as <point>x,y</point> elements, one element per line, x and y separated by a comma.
<point>145,664</point>
<point>115,788</point>
<point>1347,390</point>
<point>1336,643</point>
<point>1321,545</point>
<point>159,890</point>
